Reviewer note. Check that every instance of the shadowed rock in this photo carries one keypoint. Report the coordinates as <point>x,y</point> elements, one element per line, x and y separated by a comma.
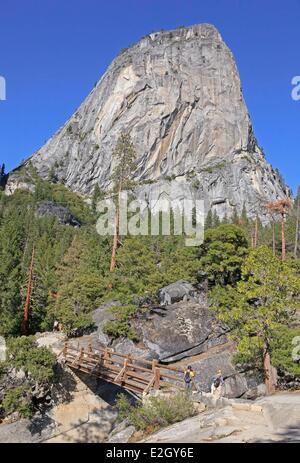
<point>61,213</point>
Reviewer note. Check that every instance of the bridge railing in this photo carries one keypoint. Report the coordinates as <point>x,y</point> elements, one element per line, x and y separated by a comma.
<point>133,373</point>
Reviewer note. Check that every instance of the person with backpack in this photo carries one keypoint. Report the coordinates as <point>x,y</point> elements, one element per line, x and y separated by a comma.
<point>217,383</point>
<point>189,376</point>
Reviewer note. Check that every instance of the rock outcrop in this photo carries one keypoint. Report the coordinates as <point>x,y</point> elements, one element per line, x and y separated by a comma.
<point>270,419</point>
<point>61,213</point>
<point>179,291</point>
<point>178,93</point>
<point>180,330</point>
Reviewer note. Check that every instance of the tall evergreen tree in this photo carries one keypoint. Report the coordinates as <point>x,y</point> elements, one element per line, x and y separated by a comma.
<point>124,155</point>
<point>209,220</point>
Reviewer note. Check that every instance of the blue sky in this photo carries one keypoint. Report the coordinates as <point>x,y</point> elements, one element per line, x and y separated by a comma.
<point>53,51</point>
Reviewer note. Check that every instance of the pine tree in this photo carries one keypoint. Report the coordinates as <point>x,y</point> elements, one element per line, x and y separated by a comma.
<point>209,220</point>
<point>263,301</point>
<point>244,216</point>
<point>222,253</point>
<point>215,219</point>
<point>97,196</point>
<point>2,176</point>
<point>124,156</point>
<point>225,220</point>
<point>12,241</point>
<point>235,219</point>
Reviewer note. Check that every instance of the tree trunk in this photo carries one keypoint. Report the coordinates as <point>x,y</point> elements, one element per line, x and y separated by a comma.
<point>25,322</point>
<point>270,373</point>
<point>116,235</point>
<point>282,239</point>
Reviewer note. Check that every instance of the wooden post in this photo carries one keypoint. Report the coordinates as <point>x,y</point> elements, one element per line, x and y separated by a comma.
<point>65,350</point>
<point>157,378</point>
<point>106,357</point>
<point>81,354</point>
<point>123,378</point>
<point>154,364</point>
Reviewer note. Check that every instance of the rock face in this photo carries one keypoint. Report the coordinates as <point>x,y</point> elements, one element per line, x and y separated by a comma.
<point>180,330</point>
<point>179,291</point>
<point>100,317</point>
<point>62,214</point>
<point>178,93</point>
<point>236,383</point>
<point>271,419</point>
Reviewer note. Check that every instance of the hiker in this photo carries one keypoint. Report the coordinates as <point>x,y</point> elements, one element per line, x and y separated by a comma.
<point>56,325</point>
<point>189,376</point>
<point>217,383</point>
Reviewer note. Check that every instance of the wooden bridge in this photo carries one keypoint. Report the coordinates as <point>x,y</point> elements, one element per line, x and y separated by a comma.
<point>135,374</point>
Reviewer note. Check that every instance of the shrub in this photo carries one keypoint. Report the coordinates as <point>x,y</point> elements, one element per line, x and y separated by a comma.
<point>120,327</point>
<point>24,354</point>
<point>76,301</point>
<point>157,412</point>
<point>222,254</point>
<point>18,399</point>
<point>38,365</point>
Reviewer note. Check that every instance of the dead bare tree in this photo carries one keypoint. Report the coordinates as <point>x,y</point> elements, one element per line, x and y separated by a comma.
<point>281,207</point>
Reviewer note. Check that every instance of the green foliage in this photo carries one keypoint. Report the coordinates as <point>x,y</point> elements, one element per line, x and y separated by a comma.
<point>20,231</point>
<point>82,283</point>
<point>18,399</point>
<point>12,243</point>
<point>222,253</point>
<point>97,196</point>
<point>282,349</point>
<point>52,176</point>
<point>125,156</point>
<point>120,326</point>
<point>38,362</point>
<point>71,268</point>
<point>263,301</point>
<point>146,263</point>
<point>76,300</point>
<point>156,412</point>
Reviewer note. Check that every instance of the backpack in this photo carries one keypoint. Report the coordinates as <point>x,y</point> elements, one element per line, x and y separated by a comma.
<point>187,377</point>
<point>217,382</point>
